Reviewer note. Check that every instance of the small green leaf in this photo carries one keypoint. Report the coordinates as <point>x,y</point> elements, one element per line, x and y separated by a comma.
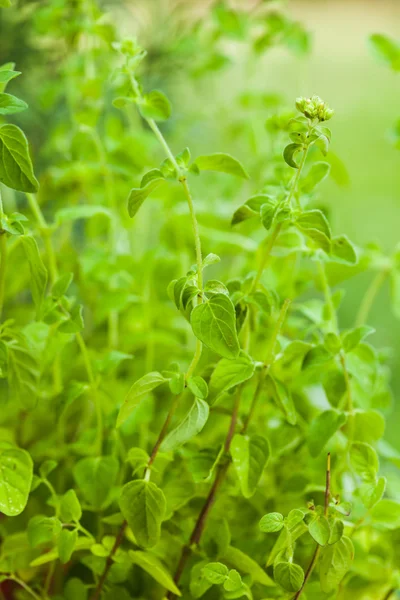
<point>386,49</point>
<point>7,74</point>
<point>155,568</point>
<point>223,163</point>
<point>95,477</point>
<point>66,544</point>
<point>16,169</point>
<point>342,250</point>
<point>47,467</point>
<point>314,225</point>
<point>289,154</point>
<point>233,581</point>
<point>230,373</point>
<point>322,428</point>
<point>337,528</point>
<point>191,425</point>
<point>320,530</point>
<point>70,508</point>
<point>353,337</point>
<point>271,522</point>
<point>138,195</point>
<point>155,106</point>
<point>139,390</point>
<point>364,460</point>
<point>198,387</point>
<point>143,505</point>
<point>216,573</point>
<point>267,212</point>
<point>43,529</point>
<point>289,576</point>
<point>10,104</point>
<point>371,493</point>
<point>318,172</point>
<point>283,397</point>
<point>16,470</point>
<point>386,514</point>
<point>250,456</point>
<point>335,561</point>
<point>38,271</point>
<point>246,564</point>
<point>214,324</point>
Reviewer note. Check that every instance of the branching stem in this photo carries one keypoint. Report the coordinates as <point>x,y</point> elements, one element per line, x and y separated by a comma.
<point>370,296</point>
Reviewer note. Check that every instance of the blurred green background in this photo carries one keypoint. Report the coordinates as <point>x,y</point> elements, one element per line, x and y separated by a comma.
<point>340,67</point>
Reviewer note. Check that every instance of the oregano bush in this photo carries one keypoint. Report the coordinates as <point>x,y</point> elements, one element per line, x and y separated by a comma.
<point>182,412</point>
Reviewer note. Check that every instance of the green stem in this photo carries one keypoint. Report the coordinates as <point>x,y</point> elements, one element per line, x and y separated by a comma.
<point>370,296</point>
<point>155,129</point>
<point>26,587</point>
<point>3,265</point>
<point>266,257</point>
<point>328,298</point>
<point>93,386</point>
<point>46,235</point>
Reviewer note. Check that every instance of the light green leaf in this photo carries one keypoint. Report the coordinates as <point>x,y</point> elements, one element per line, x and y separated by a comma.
<point>353,337</point>
<point>82,543</point>
<point>143,505</point>
<point>386,49</point>
<point>198,387</point>
<point>371,493</point>
<point>191,425</point>
<point>318,172</point>
<point>342,250</point>
<point>11,104</point>
<point>95,477</point>
<point>335,561</point>
<point>16,169</point>
<point>38,271</point>
<point>364,461</point>
<point>369,426</point>
<point>289,576</point>
<point>70,508</point>
<point>7,74</point>
<point>337,528</point>
<point>66,544</point>
<point>282,396</point>
<point>236,558</point>
<point>43,529</point>
<point>249,209</point>
<point>223,163</point>
<point>214,324</point>
<point>322,428</point>
<point>289,154</point>
<point>271,522</point>
<point>155,568</point>
<point>230,373</point>
<point>233,581</point>
<point>250,456</point>
<point>216,573</point>
<point>386,514</point>
<point>138,195</point>
<point>320,530</point>
<point>16,470</point>
<point>314,225</point>
<point>139,390</point>
<point>155,106</point>
<point>268,211</point>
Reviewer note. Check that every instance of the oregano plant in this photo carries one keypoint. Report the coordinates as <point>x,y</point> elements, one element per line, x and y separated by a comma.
<point>183,413</point>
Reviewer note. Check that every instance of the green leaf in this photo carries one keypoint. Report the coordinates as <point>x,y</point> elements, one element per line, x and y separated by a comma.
<point>368,426</point>
<point>138,195</point>
<point>289,154</point>
<point>267,212</point>
<point>16,169</point>
<point>318,172</point>
<point>216,573</point>
<point>155,568</point>
<point>223,163</point>
<point>283,397</point>
<point>66,544</point>
<point>10,104</point>
<point>337,528</point>
<point>38,272</point>
<point>364,461</point>
<point>371,493</point>
<point>386,49</point>
<point>250,456</point>
<point>5,3</point>
<point>43,529</point>
<point>155,106</point>
<point>75,323</point>
<point>320,530</point>
<point>214,324</point>
<point>7,74</point>
<point>198,387</point>
<point>335,561</point>
<point>322,428</point>
<point>317,357</point>
<point>16,470</point>
<point>139,390</point>
<point>250,209</point>
<point>191,425</point>
<point>271,522</point>
<point>233,581</point>
<point>143,505</point>
<point>230,373</point>
<point>82,543</point>
<point>315,226</point>
<point>289,576</point>
<point>70,508</point>
<point>386,514</point>
<point>96,477</point>
<point>75,589</point>
<point>342,250</point>
<point>236,558</point>
<point>47,467</point>
<point>353,337</point>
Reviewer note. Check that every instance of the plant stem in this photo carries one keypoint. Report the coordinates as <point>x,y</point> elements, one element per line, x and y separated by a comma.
<point>26,587</point>
<point>109,562</point>
<point>318,547</point>
<point>46,235</point>
<point>389,594</point>
<point>267,256</point>
<point>370,296</point>
<point>93,386</point>
<point>3,265</point>
<point>328,298</point>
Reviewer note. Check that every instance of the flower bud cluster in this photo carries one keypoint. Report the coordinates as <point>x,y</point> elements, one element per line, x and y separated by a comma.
<point>314,108</point>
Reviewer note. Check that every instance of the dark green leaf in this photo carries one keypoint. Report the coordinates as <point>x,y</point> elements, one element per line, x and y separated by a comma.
<point>214,323</point>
